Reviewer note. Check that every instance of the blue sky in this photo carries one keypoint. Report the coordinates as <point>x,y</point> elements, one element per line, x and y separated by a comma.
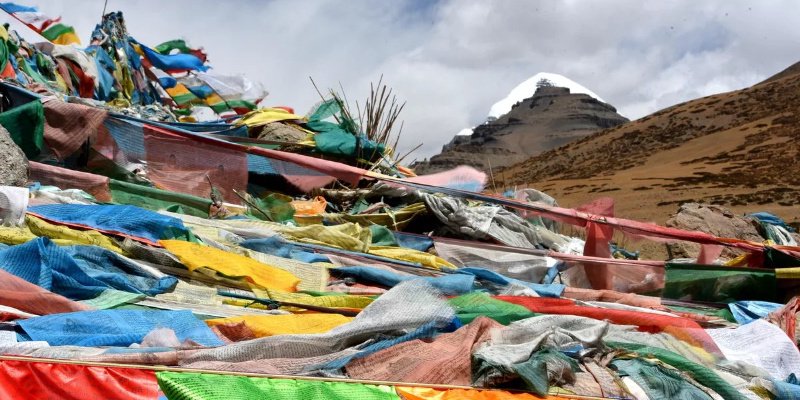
<point>452,59</point>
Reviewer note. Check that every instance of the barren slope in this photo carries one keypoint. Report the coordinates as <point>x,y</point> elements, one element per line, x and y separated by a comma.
<point>739,149</point>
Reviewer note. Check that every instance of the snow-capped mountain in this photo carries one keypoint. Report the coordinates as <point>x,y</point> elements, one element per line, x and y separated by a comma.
<point>536,116</point>
<point>528,87</point>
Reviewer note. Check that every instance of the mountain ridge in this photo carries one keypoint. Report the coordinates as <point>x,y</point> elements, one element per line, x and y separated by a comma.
<point>550,117</point>
<point>523,91</point>
<point>739,149</point>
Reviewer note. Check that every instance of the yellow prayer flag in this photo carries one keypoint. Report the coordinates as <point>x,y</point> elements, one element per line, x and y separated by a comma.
<point>270,325</point>
<point>196,256</point>
<point>265,116</point>
<point>411,255</point>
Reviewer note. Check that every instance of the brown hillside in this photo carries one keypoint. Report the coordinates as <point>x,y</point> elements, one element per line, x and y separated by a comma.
<point>792,70</point>
<point>739,149</point>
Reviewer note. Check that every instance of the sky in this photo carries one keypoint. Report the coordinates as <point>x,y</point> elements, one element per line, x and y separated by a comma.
<point>450,60</point>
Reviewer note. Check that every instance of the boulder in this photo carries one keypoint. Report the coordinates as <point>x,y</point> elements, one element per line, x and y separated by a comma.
<point>281,132</point>
<point>716,220</point>
<point>13,163</point>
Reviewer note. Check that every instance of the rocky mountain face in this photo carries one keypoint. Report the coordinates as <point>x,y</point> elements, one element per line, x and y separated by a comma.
<point>550,118</point>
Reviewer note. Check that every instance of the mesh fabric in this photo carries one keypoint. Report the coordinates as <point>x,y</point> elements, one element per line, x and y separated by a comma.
<point>407,306</point>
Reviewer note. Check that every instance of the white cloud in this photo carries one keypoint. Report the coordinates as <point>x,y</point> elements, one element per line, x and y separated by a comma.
<point>453,59</point>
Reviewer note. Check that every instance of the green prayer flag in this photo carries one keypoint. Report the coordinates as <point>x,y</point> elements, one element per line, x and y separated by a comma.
<point>156,199</point>
<point>56,30</point>
<point>112,298</point>
<point>25,124</point>
<point>4,51</point>
<point>241,104</point>
<point>657,381</point>
<point>324,110</point>
<point>192,386</point>
<point>343,138</point>
<point>475,304</point>
<point>534,371</point>
<point>185,98</point>
<point>338,142</point>
<point>274,207</point>
<point>703,375</point>
<point>176,44</point>
<point>718,283</point>
<point>382,236</point>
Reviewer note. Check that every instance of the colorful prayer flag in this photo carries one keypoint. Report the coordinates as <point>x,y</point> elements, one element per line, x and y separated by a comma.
<point>180,45</point>
<point>51,28</point>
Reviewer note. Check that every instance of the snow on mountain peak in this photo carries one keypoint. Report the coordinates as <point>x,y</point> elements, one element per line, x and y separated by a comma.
<point>527,88</point>
<point>464,132</point>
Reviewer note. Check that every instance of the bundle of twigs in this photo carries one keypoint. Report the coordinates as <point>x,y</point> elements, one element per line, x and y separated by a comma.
<point>378,118</point>
<point>380,114</point>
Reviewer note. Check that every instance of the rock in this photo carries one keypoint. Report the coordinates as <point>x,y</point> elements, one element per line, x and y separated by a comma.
<point>716,220</point>
<point>281,132</point>
<point>13,163</point>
